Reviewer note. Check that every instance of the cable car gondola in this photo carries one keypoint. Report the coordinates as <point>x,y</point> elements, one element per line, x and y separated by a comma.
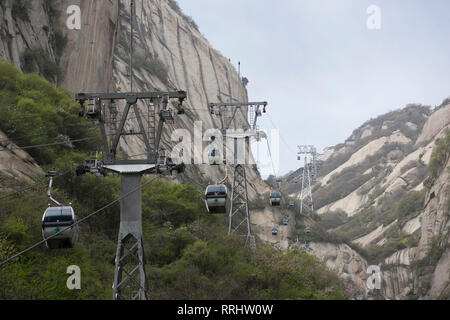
<point>216,198</point>
<point>214,157</point>
<point>274,231</point>
<point>56,219</point>
<point>59,220</point>
<point>275,198</point>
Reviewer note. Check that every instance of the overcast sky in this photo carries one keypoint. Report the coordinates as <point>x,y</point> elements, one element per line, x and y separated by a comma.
<point>322,70</point>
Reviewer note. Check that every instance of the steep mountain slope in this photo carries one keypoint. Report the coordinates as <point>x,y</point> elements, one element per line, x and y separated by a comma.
<point>193,251</point>
<point>171,54</point>
<point>25,25</point>
<point>376,193</point>
<point>17,164</point>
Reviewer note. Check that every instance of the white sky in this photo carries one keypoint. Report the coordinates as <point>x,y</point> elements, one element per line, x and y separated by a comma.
<point>323,72</point>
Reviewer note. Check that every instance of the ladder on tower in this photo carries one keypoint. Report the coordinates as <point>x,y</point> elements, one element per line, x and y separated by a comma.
<point>251,115</point>
<point>151,120</point>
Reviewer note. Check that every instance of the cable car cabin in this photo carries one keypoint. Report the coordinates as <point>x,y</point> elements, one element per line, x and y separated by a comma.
<point>214,157</point>
<point>56,219</point>
<point>275,198</point>
<point>216,198</point>
<point>274,231</point>
<point>285,221</point>
<point>291,203</point>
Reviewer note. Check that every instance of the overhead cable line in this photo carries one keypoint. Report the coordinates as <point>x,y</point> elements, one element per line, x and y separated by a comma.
<point>25,189</point>
<point>50,144</point>
<point>281,136</point>
<point>2,263</point>
<point>12,138</point>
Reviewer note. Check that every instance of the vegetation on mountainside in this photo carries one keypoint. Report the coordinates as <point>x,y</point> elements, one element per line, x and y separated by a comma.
<point>57,39</point>
<point>143,60</point>
<point>436,249</point>
<point>402,206</point>
<point>349,179</point>
<point>189,254</point>
<point>390,209</point>
<point>439,158</point>
<point>20,9</point>
<point>37,59</point>
<point>35,113</point>
<point>176,7</point>
<point>196,260</point>
<point>152,65</point>
<point>394,120</point>
<point>271,181</point>
<point>333,219</point>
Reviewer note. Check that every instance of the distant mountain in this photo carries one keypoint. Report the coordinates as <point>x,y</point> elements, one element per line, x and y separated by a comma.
<point>377,192</point>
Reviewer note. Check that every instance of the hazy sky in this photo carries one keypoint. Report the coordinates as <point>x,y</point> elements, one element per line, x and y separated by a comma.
<point>323,72</point>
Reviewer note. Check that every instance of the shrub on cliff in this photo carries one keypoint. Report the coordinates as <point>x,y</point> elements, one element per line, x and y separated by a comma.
<point>35,112</point>
<point>439,157</point>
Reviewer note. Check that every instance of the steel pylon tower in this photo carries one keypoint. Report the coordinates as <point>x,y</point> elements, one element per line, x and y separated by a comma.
<point>129,279</point>
<point>239,215</point>
<point>309,175</point>
<point>129,276</point>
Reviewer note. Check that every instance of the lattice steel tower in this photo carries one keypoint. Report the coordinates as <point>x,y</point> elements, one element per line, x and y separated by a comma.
<point>239,216</point>
<point>309,176</point>
<point>129,277</point>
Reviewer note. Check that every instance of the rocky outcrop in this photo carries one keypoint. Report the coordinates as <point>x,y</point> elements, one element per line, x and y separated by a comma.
<point>345,261</point>
<point>23,28</point>
<point>17,163</point>
<point>87,61</point>
<point>397,278</point>
<point>392,152</point>
<point>368,150</point>
<point>435,126</point>
<point>370,237</point>
<point>421,270</point>
<point>264,220</point>
<point>427,279</point>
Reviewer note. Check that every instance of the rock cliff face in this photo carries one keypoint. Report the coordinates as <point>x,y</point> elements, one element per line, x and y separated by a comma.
<point>87,61</point>
<point>17,163</point>
<point>411,272</point>
<point>24,26</point>
<point>372,192</point>
<point>346,262</point>
<point>170,54</point>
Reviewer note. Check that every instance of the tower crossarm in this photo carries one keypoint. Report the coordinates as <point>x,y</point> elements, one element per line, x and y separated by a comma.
<point>93,110</point>
<point>235,106</point>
